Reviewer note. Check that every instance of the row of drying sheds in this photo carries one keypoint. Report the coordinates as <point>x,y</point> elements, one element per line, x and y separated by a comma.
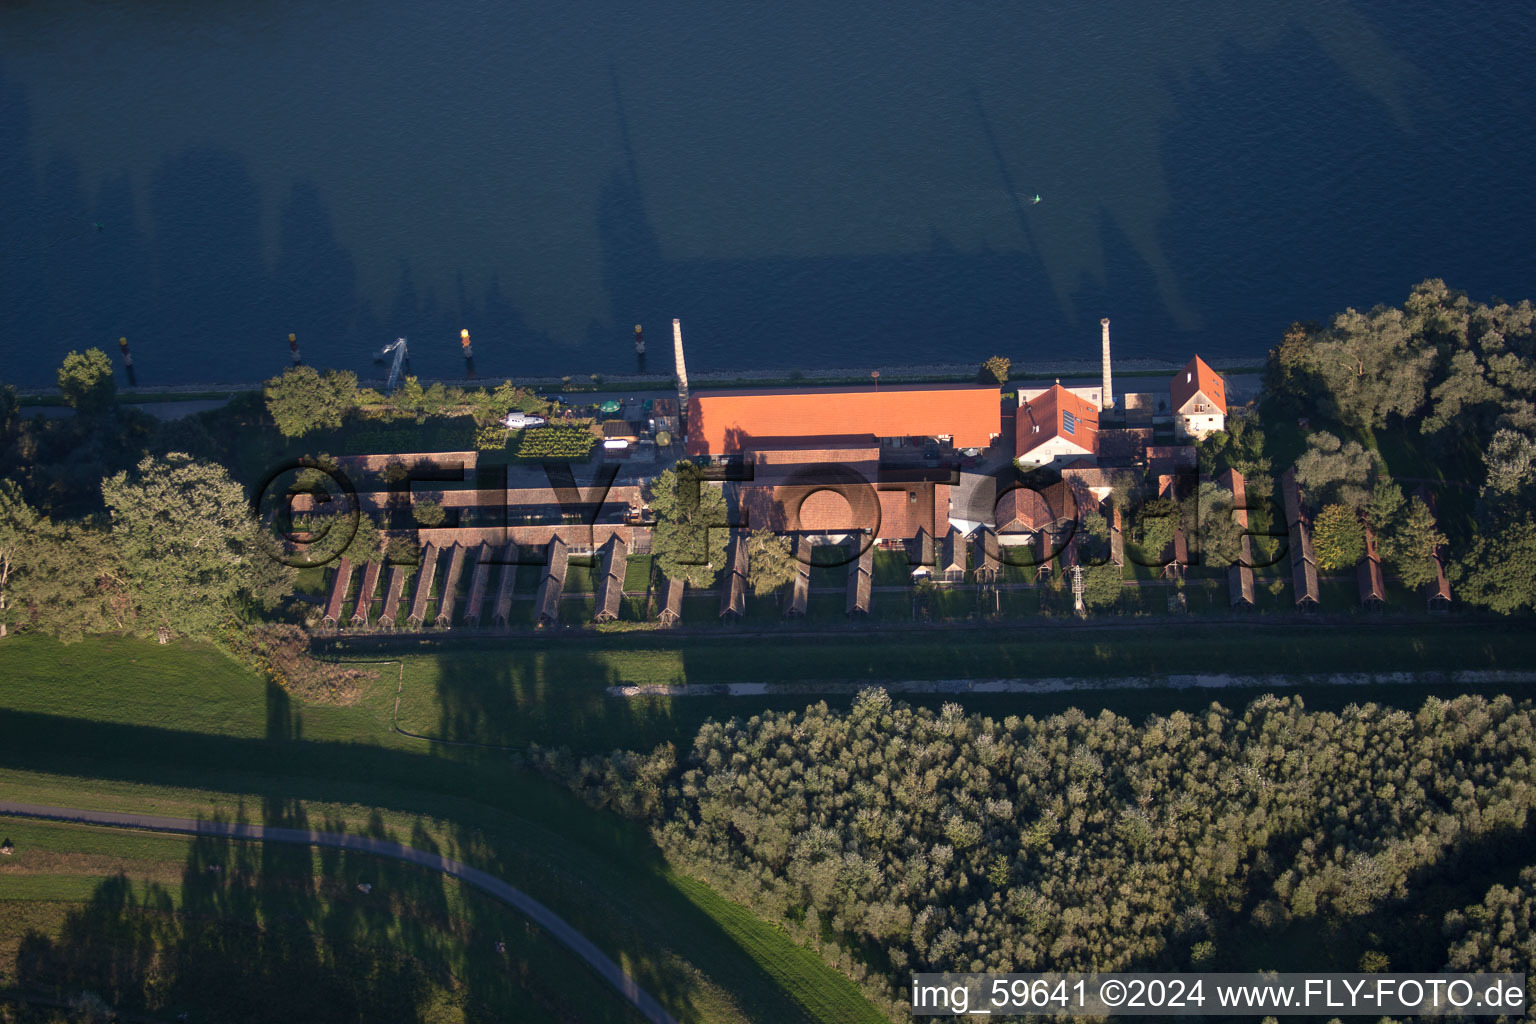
<point>468,585</point>
<point>475,585</point>
<point>1369,578</point>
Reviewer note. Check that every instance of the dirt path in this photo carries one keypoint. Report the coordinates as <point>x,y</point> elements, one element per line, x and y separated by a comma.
<point>1211,681</point>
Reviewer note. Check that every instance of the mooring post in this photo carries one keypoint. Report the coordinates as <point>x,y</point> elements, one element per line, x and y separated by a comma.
<point>133,378</point>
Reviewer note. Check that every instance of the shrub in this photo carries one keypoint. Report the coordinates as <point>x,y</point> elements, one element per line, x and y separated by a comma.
<point>87,382</point>
<point>1337,538</point>
<point>429,512</point>
<point>302,399</point>
<point>395,471</point>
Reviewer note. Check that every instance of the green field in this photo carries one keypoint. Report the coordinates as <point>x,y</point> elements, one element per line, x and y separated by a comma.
<point>182,731</point>
<point>293,926</point>
<point>128,725</point>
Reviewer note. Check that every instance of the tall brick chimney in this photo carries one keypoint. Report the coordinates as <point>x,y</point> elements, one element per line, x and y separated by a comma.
<point>1107,396</point>
<point>682,371</point>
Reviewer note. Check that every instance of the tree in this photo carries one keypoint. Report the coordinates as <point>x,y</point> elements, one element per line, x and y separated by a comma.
<point>1337,538</point>
<point>1508,459</point>
<point>691,526</point>
<point>925,597</point>
<point>188,542</point>
<point>1291,374</point>
<point>367,544</point>
<point>10,407</point>
<point>1209,524</point>
<point>408,394</point>
<point>1385,507</point>
<point>340,534</point>
<point>1125,492</point>
<point>1457,398</point>
<point>72,582</point>
<point>1102,585</point>
<point>395,471</point>
<point>1156,521</point>
<point>1409,544</point>
<point>87,381</point>
<point>428,512</point>
<point>995,370</point>
<point>1335,472</point>
<point>1240,446</point>
<point>1499,571</point>
<point>770,562</point>
<point>18,531</point>
<point>303,399</point>
<point>1373,365</point>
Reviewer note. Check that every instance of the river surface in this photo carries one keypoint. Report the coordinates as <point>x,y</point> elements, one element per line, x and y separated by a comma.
<point>805,184</point>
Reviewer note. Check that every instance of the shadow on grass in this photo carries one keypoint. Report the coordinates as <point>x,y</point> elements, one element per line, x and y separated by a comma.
<point>509,698</point>
<point>600,873</point>
<point>280,932</point>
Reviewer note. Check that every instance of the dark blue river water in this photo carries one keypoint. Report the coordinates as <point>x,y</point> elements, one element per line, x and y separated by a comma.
<point>803,183</point>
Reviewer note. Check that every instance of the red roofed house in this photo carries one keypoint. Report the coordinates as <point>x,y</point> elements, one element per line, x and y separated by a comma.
<point>728,422</point>
<point>1056,428</point>
<point>1199,400</point>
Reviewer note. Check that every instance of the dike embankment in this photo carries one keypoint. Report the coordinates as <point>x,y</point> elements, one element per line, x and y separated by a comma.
<point>929,373</point>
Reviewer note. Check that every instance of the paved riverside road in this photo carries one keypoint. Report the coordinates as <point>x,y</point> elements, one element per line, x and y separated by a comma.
<point>538,912</point>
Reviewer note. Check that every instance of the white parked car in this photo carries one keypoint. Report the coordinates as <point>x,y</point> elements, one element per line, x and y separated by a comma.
<point>515,420</point>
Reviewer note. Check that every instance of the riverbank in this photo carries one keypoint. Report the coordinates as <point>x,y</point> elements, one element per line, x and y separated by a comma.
<point>932,373</point>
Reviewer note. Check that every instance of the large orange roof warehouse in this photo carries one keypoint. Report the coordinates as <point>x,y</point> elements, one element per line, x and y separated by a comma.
<point>723,422</point>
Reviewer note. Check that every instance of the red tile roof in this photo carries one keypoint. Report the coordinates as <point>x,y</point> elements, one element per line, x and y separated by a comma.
<point>1058,413</point>
<point>1027,509</point>
<point>721,422</point>
<point>902,518</point>
<point>1198,376</point>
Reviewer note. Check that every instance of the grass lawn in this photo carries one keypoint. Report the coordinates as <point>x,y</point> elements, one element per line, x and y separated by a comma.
<point>891,568</point>
<point>143,737</point>
<point>124,724</point>
<point>951,604</point>
<point>637,574</point>
<point>513,692</point>
<point>583,574</point>
<point>419,947</point>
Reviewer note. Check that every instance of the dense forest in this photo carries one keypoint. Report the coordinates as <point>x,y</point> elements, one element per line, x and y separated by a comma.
<point>1498,934</point>
<point>1442,392</point>
<point>897,839</point>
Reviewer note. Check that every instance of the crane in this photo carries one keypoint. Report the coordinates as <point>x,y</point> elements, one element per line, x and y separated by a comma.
<point>398,348</point>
